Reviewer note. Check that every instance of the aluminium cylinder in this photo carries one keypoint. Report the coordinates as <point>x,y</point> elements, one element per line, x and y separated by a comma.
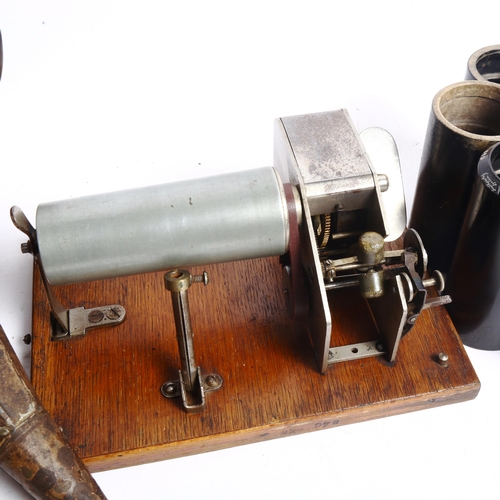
<point>464,122</point>
<point>484,65</point>
<point>474,277</point>
<point>224,218</point>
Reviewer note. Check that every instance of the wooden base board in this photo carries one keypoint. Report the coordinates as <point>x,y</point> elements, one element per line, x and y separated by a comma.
<point>104,389</point>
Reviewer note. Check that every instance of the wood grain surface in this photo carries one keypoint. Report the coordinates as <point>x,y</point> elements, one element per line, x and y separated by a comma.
<point>104,389</point>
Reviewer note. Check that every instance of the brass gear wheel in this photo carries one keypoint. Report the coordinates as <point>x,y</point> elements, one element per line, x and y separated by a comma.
<point>323,226</point>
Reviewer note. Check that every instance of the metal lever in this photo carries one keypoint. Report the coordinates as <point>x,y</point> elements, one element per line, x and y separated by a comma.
<point>191,385</point>
<point>65,323</point>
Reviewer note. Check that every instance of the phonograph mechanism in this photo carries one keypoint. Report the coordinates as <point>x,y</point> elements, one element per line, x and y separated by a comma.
<point>328,208</point>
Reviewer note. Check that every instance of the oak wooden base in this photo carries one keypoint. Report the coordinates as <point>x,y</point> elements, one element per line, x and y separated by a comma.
<point>104,389</point>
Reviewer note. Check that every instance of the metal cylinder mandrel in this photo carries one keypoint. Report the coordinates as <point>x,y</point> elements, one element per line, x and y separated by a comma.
<point>224,218</point>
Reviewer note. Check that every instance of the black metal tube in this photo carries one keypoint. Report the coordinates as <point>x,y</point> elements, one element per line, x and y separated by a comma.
<point>474,278</point>
<point>464,122</point>
<point>484,65</point>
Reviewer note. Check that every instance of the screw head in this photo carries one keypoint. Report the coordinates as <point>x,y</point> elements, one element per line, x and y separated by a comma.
<point>27,247</point>
<point>439,280</point>
<point>95,316</point>
<point>113,313</point>
<point>205,279</point>
<point>443,358</point>
<point>213,381</point>
<point>412,319</point>
<point>169,389</point>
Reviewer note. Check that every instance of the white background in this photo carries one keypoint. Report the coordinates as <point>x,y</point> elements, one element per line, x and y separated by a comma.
<point>100,96</point>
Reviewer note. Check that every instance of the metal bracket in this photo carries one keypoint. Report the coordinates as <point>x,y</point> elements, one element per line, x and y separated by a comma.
<point>65,323</point>
<point>356,351</point>
<point>191,385</point>
<point>390,312</point>
<point>193,401</point>
<point>81,319</point>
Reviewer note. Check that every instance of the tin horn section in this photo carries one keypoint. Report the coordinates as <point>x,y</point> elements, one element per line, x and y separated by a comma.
<point>33,449</point>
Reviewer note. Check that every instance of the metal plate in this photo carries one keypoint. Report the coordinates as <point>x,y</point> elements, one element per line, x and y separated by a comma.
<point>390,313</point>
<point>319,321</point>
<point>383,153</point>
<point>355,351</point>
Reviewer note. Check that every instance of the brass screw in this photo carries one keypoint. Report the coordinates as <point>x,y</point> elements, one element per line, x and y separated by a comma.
<point>202,278</point>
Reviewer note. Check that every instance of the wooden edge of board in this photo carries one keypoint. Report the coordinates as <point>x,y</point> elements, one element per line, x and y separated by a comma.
<point>275,431</point>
